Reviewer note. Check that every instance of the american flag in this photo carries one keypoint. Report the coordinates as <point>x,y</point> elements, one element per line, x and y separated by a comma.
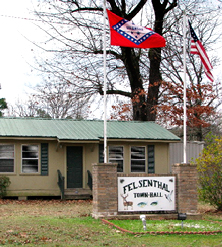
<point>197,48</point>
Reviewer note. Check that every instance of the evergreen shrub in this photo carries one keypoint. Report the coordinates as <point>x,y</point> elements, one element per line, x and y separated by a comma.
<point>4,183</point>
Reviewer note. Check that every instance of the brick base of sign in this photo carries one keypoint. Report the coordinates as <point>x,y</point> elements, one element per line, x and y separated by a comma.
<point>186,187</point>
<point>105,192</point>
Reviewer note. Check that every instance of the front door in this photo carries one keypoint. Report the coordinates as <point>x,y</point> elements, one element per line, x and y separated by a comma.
<point>74,167</point>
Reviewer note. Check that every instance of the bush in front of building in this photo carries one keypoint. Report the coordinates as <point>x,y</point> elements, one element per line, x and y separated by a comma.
<point>4,183</point>
<point>209,166</point>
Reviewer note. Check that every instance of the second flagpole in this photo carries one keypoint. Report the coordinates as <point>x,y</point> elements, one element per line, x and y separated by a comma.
<point>184,93</point>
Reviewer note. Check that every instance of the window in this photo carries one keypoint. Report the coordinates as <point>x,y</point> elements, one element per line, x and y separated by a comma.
<point>116,156</point>
<point>138,160</point>
<point>6,158</point>
<point>30,158</point>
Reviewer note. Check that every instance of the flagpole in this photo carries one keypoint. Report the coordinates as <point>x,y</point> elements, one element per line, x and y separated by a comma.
<point>105,86</point>
<point>184,93</point>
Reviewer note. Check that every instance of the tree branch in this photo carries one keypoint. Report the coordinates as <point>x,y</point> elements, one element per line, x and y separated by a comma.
<point>172,5</point>
<point>114,7</point>
<point>112,91</point>
<point>112,52</point>
<point>136,10</point>
<point>86,9</point>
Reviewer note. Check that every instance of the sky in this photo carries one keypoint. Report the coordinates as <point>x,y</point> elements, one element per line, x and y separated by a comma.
<point>17,30</point>
<point>16,75</point>
<point>16,49</point>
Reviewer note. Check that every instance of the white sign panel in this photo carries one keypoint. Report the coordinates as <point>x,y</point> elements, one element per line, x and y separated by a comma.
<point>146,194</point>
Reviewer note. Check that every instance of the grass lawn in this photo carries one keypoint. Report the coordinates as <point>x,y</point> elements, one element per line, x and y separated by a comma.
<point>171,226</point>
<point>68,223</point>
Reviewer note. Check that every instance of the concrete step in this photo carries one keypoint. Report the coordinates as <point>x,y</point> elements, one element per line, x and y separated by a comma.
<point>77,194</point>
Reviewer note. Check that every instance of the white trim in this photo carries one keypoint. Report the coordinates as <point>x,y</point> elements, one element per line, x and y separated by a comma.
<point>145,158</point>
<point>38,159</point>
<point>9,144</point>
<point>123,159</point>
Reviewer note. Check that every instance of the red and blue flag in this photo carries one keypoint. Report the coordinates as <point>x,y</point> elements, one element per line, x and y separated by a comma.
<point>126,33</point>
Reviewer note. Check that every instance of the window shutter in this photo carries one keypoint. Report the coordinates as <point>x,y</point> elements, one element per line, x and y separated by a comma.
<point>151,159</point>
<point>44,159</point>
<point>101,155</point>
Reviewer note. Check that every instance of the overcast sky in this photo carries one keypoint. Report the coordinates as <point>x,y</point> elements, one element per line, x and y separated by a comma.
<point>16,51</point>
<point>16,27</point>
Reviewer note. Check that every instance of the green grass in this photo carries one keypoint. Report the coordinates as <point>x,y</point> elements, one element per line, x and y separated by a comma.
<point>168,225</point>
<point>85,231</point>
<point>57,223</point>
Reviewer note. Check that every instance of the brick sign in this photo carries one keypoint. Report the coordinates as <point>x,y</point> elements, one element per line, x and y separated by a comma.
<point>146,194</point>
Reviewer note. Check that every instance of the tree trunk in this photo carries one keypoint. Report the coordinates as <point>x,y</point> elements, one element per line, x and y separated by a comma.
<point>138,97</point>
<point>155,77</point>
<point>154,83</point>
<point>144,106</point>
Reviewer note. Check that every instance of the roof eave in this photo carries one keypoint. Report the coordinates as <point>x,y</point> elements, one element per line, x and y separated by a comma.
<point>101,139</point>
<point>141,139</point>
<point>27,138</point>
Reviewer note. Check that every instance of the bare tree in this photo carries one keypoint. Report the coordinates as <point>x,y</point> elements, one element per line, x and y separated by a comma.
<point>60,101</point>
<point>23,108</point>
<point>52,100</point>
<point>75,29</point>
<point>77,26</point>
<point>203,97</point>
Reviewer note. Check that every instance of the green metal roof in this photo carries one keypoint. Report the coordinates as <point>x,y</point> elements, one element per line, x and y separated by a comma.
<point>64,129</point>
